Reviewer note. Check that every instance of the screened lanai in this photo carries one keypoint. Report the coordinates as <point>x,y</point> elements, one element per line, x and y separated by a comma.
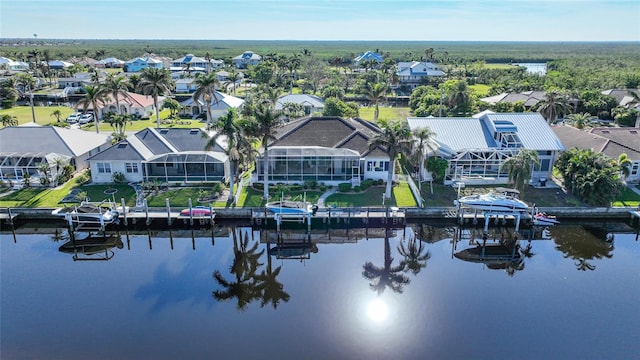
<point>186,167</point>
<point>312,163</point>
<point>479,166</point>
<point>13,166</point>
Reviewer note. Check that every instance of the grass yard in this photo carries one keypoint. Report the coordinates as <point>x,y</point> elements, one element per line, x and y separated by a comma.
<point>481,90</point>
<point>251,197</point>
<point>180,198</point>
<point>386,113</point>
<point>500,66</point>
<point>43,113</point>
<point>627,198</point>
<point>372,197</point>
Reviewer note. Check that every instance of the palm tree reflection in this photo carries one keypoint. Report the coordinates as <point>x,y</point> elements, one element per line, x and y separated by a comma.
<point>581,246</point>
<point>414,260</point>
<point>387,275</point>
<point>271,290</point>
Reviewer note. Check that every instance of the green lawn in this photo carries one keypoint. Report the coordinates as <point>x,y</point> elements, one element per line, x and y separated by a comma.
<point>372,197</point>
<point>43,113</point>
<point>481,90</point>
<point>386,113</point>
<point>180,198</point>
<point>627,198</point>
<point>251,197</point>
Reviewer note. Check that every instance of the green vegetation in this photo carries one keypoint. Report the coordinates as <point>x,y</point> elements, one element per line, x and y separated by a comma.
<point>386,113</point>
<point>372,197</point>
<point>251,197</point>
<point>627,198</point>
<point>43,114</point>
<point>180,198</point>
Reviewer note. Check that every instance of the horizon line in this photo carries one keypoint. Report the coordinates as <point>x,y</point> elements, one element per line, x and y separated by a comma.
<point>319,40</point>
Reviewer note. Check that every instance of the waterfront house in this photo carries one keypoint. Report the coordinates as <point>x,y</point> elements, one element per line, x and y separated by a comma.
<point>23,149</point>
<point>194,63</point>
<point>110,62</point>
<point>245,59</point>
<point>11,65</point>
<point>59,64</point>
<point>328,149</point>
<point>610,141</point>
<point>141,63</point>
<point>368,56</point>
<point>140,106</point>
<point>476,147</point>
<point>162,155</point>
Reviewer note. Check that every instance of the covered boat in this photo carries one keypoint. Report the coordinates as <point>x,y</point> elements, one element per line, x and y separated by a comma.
<point>542,219</point>
<point>88,214</point>
<point>492,201</point>
<point>291,207</point>
<point>198,211</point>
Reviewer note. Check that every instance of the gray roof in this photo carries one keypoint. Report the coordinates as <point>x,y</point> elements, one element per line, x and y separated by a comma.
<point>302,99</point>
<point>121,151</point>
<point>596,140</point>
<point>457,134</point>
<point>327,131</point>
<point>50,139</point>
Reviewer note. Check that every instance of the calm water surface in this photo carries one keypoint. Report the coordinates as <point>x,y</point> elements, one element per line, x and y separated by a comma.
<point>534,68</point>
<point>575,296</point>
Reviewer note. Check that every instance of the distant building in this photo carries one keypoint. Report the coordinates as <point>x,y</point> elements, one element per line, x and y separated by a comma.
<point>367,56</point>
<point>245,59</point>
<point>141,63</point>
<point>194,63</point>
<point>415,73</point>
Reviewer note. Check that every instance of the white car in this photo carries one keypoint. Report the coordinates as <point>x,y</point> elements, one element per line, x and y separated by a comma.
<point>85,118</point>
<point>73,118</point>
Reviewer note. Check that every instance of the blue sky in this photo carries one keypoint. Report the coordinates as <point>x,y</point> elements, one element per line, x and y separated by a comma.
<point>452,20</point>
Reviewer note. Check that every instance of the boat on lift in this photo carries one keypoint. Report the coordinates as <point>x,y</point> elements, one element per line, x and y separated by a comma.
<point>89,214</point>
<point>493,202</point>
<point>292,207</point>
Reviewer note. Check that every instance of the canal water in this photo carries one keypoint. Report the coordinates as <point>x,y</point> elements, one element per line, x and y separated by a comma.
<point>534,68</point>
<point>568,292</point>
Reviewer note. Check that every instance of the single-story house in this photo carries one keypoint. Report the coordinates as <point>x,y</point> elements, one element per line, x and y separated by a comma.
<point>194,62</point>
<point>610,141</point>
<point>529,98</point>
<point>23,149</point>
<point>329,150</point>
<point>83,61</point>
<point>140,63</point>
<point>476,148</point>
<point>59,64</point>
<point>110,62</point>
<point>627,98</point>
<point>245,59</point>
<point>415,73</point>
<point>224,102</point>
<point>140,106</point>
<point>311,103</point>
<point>185,85</point>
<point>162,155</point>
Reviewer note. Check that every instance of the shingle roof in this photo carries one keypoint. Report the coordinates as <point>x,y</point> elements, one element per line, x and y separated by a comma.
<point>625,136</point>
<point>303,99</point>
<point>581,139</point>
<point>327,131</point>
<point>50,139</point>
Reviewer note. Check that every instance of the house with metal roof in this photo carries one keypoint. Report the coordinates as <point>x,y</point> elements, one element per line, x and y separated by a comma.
<point>195,63</point>
<point>245,59</point>
<point>165,155</point>
<point>476,148</point>
<point>24,149</point>
<point>310,103</point>
<point>327,149</point>
<point>370,56</point>
<point>610,141</point>
<point>415,73</point>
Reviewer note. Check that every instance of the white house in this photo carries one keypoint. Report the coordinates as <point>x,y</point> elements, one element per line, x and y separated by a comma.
<point>310,103</point>
<point>370,56</point>
<point>11,65</point>
<point>476,148</point>
<point>194,63</point>
<point>416,73</point>
<point>219,107</point>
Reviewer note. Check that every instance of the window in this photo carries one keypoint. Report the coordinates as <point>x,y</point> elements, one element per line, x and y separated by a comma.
<point>131,168</point>
<point>104,168</point>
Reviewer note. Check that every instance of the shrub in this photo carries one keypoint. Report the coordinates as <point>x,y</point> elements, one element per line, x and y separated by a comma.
<point>379,182</point>
<point>323,188</point>
<point>85,177</point>
<point>356,188</point>
<point>118,178</point>
<point>366,184</point>
<point>310,184</point>
<point>344,187</point>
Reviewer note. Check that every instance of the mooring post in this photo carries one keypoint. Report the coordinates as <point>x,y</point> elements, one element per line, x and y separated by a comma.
<point>518,222</point>
<point>211,214</point>
<point>146,212</point>
<point>124,211</point>
<point>190,212</point>
<point>169,220</point>
<point>10,216</point>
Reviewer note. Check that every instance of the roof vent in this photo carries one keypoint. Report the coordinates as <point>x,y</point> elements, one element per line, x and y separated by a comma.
<point>164,131</point>
<point>194,132</point>
<point>122,145</point>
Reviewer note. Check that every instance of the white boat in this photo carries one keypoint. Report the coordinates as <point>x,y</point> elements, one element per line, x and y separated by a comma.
<point>492,201</point>
<point>88,214</point>
<point>291,207</point>
<point>542,219</point>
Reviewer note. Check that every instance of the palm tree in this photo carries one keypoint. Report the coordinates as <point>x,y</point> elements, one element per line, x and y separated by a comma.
<point>233,79</point>
<point>375,93</point>
<point>459,96</point>
<point>387,275</point>
<point>9,120</point>
<point>624,162</point>
<point>519,167</point>
<point>156,82</point>
<point>265,121</point>
<point>292,64</point>
<point>116,87</point>
<point>580,120</point>
<point>28,83</point>
<point>553,106</point>
<point>93,94</point>
<point>57,113</point>
<point>395,137</point>
<point>421,146</point>
<point>206,90</point>
<point>228,126</point>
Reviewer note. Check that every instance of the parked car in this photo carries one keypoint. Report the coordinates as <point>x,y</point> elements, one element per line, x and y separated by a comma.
<point>85,118</point>
<point>73,118</point>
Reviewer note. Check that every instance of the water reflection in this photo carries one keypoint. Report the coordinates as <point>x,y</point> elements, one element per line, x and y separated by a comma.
<point>498,250</point>
<point>89,246</point>
<point>414,258</point>
<point>582,246</point>
<point>388,275</point>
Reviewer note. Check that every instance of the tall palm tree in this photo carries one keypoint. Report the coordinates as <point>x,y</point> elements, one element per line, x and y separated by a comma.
<point>395,137</point>
<point>228,127</point>
<point>580,120</point>
<point>553,105</point>
<point>156,82</point>
<point>206,90</point>
<point>421,147</point>
<point>292,64</point>
<point>116,87</point>
<point>386,275</point>
<point>624,162</point>
<point>93,95</point>
<point>233,79</point>
<point>28,83</point>
<point>519,167</point>
<point>459,96</point>
<point>375,93</point>
<point>265,122</point>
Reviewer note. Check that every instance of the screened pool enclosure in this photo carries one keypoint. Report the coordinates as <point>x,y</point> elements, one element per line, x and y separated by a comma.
<point>14,166</point>
<point>186,167</point>
<point>313,163</point>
